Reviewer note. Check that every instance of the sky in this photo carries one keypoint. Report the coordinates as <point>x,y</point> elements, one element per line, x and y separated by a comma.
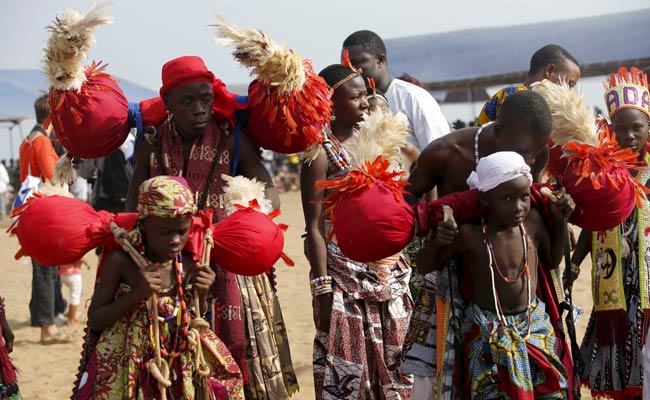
<point>147,33</point>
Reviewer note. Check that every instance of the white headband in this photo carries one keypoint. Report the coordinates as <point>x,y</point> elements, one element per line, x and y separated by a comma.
<point>498,168</point>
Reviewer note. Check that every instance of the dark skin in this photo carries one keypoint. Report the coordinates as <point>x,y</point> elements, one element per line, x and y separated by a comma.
<point>7,333</point>
<point>632,130</point>
<point>349,105</point>
<point>566,71</point>
<point>446,162</point>
<point>372,66</point>
<point>508,206</point>
<point>164,239</point>
<point>191,106</point>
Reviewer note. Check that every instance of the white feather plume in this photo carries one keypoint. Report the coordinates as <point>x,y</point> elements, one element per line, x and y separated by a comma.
<point>379,134</point>
<point>275,64</point>
<point>64,171</point>
<point>67,47</point>
<point>240,191</point>
<point>573,119</point>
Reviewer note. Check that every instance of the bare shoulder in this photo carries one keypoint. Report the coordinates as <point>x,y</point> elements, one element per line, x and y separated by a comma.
<point>535,223</point>
<point>117,264</point>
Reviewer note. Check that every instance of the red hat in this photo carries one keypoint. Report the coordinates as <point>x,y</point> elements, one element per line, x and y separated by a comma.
<point>182,71</point>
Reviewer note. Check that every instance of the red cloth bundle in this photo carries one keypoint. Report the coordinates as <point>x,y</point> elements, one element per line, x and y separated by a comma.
<point>93,121</point>
<point>370,217</point>
<point>57,230</point>
<point>248,242</point>
<point>599,181</point>
<point>289,123</point>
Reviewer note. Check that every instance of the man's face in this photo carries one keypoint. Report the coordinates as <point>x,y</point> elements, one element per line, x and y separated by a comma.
<point>509,203</point>
<point>371,66</point>
<point>191,106</point>
<point>523,140</point>
<point>631,128</point>
<point>350,102</point>
<point>567,72</point>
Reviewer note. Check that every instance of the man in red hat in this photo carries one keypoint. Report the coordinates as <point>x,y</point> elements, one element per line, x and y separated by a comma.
<point>199,141</point>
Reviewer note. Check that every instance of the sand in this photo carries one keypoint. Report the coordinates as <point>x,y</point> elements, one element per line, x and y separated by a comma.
<point>47,372</point>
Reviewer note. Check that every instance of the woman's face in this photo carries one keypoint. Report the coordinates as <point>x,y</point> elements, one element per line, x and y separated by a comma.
<point>631,128</point>
<point>350,102</point>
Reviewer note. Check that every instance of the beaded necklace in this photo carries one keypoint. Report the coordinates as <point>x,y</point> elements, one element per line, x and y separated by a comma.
<point>524,261</point>
<point>180,314</point>
<point>526,271</point>
<point>476,136</point>
<point>335,151</point>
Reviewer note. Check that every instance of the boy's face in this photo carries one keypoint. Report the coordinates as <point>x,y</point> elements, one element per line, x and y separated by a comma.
<point>508,204</point>
<point>165,237</point>
<point>631,128</point>
<point>191,106</point>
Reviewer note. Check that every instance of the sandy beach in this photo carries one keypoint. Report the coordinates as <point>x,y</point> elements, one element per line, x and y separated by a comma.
<point>47,372</point>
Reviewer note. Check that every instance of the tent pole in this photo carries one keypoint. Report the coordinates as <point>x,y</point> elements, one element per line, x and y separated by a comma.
<point>470,97</point>
<point>11,140</point>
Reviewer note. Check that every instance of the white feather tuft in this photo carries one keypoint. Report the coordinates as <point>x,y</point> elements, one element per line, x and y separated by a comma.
<point>64,171</point>
<point>379,134</point>
<point>275,64</point>
<point>240,191</point>
<point>67,47</point>
<point>573,119</point>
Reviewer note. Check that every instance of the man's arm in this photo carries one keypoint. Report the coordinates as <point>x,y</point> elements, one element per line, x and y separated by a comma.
<point>427,120</point>
<point>426,173</point>
<point>251,166</point>
<point>446,242</point>
<point>140,174</point>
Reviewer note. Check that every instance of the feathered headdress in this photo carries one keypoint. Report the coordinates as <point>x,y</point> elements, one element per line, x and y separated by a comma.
<point>627,89</point>
<point>67,47</point>
<point>292,101</point>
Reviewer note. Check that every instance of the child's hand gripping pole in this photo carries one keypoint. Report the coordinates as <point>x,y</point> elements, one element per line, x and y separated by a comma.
<point>157,367</point>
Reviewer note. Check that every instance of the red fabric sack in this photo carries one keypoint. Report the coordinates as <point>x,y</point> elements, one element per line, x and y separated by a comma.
<point>92,122</point>
<point>373,223</point>
<point>248,242</point>
<point>289,123</point>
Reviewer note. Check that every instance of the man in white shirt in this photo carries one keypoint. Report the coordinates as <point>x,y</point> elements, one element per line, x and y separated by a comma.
<point>426,122</point>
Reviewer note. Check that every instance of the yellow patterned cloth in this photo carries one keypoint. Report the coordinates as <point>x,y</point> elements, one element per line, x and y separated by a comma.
<point>491,108</point>
<point>165,197</point>
<point>114,363</point>
<point>505,363</point>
